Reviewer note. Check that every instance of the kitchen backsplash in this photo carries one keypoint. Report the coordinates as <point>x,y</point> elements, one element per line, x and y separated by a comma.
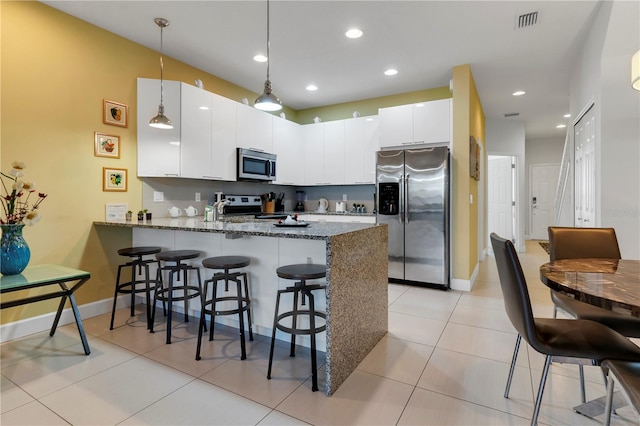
<point>181,193</point>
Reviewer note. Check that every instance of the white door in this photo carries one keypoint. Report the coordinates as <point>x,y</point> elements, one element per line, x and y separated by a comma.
<point>500,196</point>
<point>585,192</point>
<point>543,180</point>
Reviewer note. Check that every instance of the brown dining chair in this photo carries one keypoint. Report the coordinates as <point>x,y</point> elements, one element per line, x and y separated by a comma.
<point>627,374</point>
<point>588,243</point>
<point>600,243</point>
<point>563,340</point>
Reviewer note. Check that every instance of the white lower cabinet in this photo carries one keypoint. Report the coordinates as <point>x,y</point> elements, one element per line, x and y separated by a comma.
<point>266,253</point>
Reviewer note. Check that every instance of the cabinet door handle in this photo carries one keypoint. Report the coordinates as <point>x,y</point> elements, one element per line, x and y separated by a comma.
<point>171,174</point>
<point>212,177</point>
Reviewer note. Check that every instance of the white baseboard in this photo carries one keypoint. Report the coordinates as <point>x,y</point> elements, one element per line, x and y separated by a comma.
<point>465,285</point>
<point>25,327</point>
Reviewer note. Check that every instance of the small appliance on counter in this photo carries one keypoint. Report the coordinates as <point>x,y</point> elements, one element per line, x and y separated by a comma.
<point>300,195</point>
<point>341,207</point>
<point>323,205</point>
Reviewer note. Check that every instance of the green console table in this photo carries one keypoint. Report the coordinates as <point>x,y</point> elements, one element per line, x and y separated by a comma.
<point>67,279</point>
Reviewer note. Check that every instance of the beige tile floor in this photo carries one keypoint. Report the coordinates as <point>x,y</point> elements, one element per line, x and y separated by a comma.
<point>444,362</point>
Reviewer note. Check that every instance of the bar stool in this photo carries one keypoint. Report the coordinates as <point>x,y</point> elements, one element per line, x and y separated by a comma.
<point>301,272</point>
<point>226,264</point>
<point>165,294</point>
<point>132,287</point>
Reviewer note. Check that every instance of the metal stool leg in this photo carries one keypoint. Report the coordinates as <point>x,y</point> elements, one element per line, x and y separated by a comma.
<point>273,334</point>
<point>312,327</point>
<point>115,296</point>
<point>246,294</point>
<point>294,320</point>
<point>241,321</point>
<point>202,322</point>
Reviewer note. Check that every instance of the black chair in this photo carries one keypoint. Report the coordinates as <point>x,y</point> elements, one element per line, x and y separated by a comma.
<point>166,293</point>
<point>565,340</point>
<point>142,285</point>
<point>628,376</point>
<point>301,272</point>
<point>241,298</point>
<point>594,243</point>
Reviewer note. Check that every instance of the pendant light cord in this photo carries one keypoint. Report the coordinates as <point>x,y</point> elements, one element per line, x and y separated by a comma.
<point>268,42</point>
<point>161,68</point>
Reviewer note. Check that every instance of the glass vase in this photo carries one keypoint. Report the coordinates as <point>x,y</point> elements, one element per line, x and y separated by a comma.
<point>15,253</point>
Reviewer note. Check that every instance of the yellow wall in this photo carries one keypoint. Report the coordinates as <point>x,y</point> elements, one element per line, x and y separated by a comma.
<point>469,121</point>
<point>55,71</point>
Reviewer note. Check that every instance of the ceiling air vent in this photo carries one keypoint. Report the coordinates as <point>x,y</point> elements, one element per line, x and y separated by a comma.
<point>526,20</point>
<point>511,114</point>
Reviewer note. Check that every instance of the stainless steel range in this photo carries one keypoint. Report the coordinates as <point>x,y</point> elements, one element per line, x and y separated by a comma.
<point>248,205</point>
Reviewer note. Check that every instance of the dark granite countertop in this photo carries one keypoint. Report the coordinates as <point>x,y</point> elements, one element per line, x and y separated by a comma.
<point>264,228</point>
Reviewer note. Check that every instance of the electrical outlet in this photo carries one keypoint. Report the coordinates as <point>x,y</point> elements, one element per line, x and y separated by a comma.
<point>158,196</point>
<point>197,197</point>
<point>309,260</point>
<point>344,197</point>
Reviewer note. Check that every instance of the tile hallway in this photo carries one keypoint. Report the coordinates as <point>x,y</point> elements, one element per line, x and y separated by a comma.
<point>444,362</point>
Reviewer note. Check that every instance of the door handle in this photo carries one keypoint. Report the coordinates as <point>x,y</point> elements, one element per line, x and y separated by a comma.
<point>406,192</point>
<point>401,201</point>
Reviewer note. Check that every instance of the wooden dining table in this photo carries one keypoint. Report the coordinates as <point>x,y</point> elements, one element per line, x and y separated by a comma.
<point>609,283</point>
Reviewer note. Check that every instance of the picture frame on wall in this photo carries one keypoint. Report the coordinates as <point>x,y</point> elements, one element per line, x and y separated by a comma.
<point>474,159</point>
<point>114,179</point>
<point>115,113</point>
<point>106,145</point>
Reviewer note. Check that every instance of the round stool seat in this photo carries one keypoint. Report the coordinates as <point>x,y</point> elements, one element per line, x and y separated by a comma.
<point>175,255</point>
<point>139,251</point>
<point>226,262</point>
<point>302,271</point>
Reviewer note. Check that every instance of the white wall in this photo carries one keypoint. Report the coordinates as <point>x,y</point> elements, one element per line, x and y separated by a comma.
<point>506,137</point>
<point>602,74</point>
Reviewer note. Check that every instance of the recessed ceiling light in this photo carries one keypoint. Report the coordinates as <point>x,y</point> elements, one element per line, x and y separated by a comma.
<point>174,143</point>
<point>204,108</point>
<point>561,126</point>
<point>312,87</point>
<point>567,115</point>
<point>519,93</point>
<point>353,33</point>
<point>391,71</point>
<point>260,58</point>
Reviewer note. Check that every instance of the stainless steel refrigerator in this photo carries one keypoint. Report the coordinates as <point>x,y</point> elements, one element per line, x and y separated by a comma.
<point>412,193</point>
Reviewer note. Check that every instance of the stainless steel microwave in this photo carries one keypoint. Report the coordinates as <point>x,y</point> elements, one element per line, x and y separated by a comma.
<point>256,165</point>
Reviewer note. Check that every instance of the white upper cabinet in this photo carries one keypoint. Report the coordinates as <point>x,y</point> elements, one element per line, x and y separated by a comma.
<point>254,129</point>
<point>333,137</point>
<point>361,144</point>
<point>223,138</point>
<point>158,150</point>
<point>195,145</point>
<point>201,144</point>
<point>424,122</point>
<point>432,122</point>
<point>313,153</point>
<point>324,153</point>
<point>288,146</point>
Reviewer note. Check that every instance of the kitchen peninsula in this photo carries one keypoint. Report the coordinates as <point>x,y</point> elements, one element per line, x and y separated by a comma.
<point>356,259</point>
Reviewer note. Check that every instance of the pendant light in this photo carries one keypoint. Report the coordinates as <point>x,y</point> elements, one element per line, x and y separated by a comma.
<point>161,121</point>
<point>268,101</point>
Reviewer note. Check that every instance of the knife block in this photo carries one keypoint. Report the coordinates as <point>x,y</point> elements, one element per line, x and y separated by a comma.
<point>269,206</point>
